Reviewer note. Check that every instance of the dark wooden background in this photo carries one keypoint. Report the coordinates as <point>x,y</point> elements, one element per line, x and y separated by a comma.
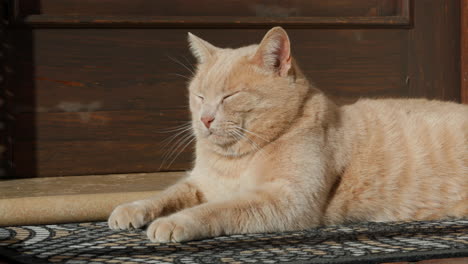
<point>92,81</point>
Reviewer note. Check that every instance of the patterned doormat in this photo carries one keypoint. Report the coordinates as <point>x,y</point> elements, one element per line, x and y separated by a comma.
<point>359,243</point>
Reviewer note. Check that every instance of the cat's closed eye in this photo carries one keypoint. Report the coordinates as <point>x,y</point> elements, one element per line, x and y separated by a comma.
<point>230,95</point>
<point>200,97</point>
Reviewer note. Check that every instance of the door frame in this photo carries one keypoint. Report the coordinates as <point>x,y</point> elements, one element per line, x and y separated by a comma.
<point>464,51</point>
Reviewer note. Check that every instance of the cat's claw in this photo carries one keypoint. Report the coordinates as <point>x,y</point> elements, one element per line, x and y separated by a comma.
<point>172,229</point>
<point>128,216</point>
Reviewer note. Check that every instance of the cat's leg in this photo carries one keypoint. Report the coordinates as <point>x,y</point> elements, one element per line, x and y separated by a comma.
<point>266,210</point>
<point>137,214</point>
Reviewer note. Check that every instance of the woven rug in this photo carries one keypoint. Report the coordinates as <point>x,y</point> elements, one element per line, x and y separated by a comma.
<point>359,243</point>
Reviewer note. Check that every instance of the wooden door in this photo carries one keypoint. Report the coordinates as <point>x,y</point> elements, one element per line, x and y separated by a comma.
<point>90,82</point>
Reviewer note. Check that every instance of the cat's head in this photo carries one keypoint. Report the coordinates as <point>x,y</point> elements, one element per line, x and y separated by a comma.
<point>243,98</point>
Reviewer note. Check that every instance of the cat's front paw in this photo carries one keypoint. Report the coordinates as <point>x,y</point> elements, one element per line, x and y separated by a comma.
<point>129,215</point>
<point>175,228</point>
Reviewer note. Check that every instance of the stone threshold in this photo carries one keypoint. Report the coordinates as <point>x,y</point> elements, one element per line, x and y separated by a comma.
<point>75,198</point>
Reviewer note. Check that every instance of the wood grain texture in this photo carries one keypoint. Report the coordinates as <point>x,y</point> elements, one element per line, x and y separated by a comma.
<point>213,14</point>
<point>434,51</point>
<point>135,125</point>
<point>99,70</point>
<point>72,21</point>
<point>87,157</point>
<point>91,100</point>
<point>464,51</point>
<point>253,8</point>
<point>100,99</point>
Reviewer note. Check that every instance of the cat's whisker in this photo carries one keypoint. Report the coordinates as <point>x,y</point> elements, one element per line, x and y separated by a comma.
<point>180,63</point>
<point>235,135</point>
<point>171,138</point>
<point>170,149</point>
<point>189,63</point>
<point>181,75</point>
<point>243,135</point>
<point>238,137</point>
<point>252,133</point>
<point>182,123</point>
<point>175,128</point>
<point>168,141</point>
<point>178,150</point>
<point>254,145</point>
<point>178,132</point>
<point>169,154</point>
<point>181,150</point>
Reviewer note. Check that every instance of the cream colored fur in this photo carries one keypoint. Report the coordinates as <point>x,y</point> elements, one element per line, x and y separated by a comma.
<point>280,156</point>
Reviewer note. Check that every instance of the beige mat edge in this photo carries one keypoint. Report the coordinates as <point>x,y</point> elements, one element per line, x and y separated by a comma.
<point>63,208</point>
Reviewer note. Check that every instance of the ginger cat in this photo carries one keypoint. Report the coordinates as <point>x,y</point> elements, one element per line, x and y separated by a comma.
<point>274,154</point>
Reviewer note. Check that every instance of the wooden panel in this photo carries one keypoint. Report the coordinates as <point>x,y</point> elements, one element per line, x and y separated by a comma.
<point>133,125</point>
<point>62,158</point>
<point>255,8</point>
<point>464,51</point>
<point>434,62</point>
<point>89,70</point>
<point>349,64</point>
<point>100,98</point>
<point>213,13</point>
<point>90,100</point>
<point>137,72</point>
<point>50,21</point>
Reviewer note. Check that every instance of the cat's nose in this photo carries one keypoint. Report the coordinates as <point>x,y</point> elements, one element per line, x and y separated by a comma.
<point>207,120</point>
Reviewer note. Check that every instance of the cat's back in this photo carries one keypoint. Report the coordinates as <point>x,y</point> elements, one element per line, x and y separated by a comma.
<point>407,159</point>
<point>409,109</point>
<point>391,118</point>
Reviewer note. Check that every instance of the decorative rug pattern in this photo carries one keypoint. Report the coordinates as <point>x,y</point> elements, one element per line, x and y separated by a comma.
<point>358,243</point>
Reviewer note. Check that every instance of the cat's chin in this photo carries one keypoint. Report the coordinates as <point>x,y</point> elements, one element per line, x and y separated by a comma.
<point>226,146</point>
<point>226,150</point>
<point>221,140</point>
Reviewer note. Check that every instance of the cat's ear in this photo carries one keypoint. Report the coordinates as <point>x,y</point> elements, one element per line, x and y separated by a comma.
<point>274,52</point>
<point>201,49</point>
